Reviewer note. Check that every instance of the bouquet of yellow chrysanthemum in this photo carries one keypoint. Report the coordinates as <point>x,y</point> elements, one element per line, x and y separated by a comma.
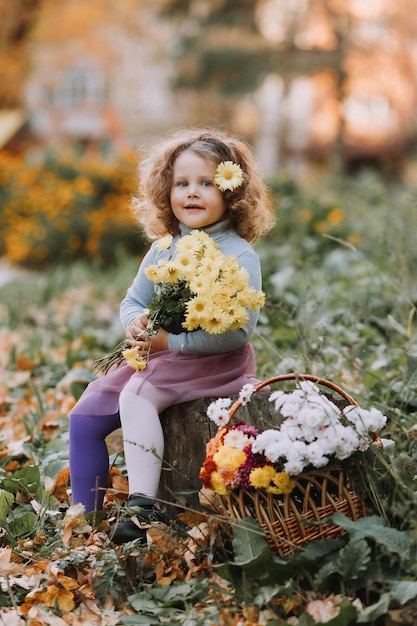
<point>198,288</point>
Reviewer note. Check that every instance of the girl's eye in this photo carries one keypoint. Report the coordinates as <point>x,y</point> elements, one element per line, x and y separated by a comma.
<point>207,183</point>
<point>182,183</point>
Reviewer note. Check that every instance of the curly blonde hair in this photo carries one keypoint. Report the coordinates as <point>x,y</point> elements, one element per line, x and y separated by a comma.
<point>249,207</point>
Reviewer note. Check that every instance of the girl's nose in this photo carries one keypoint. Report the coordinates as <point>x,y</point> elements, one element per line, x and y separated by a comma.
<point>192,190</point>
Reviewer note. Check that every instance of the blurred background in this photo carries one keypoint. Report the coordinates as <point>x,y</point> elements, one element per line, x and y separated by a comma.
<point>317,87</point>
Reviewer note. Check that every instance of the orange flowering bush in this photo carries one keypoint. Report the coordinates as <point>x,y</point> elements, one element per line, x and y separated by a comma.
<point>61,210</point>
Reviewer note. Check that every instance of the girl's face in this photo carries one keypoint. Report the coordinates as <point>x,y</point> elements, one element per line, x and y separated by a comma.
<point>195,199</point>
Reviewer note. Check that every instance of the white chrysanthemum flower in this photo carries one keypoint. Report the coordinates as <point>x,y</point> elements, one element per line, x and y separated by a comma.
<point>276,450</point>
<point>267,437</point>
<point>278,397</point>
<point>292,430</point>
<point>220,417</point>
<point>309,432</point>
<point>224,403</point>
<point>343,450</point>
<point>376,419</point>
<point>309,388</point>
<point>372,420</point>
<point>237,439</point>
<point>351,435</point>
<point>316,454</point>
<point>293,467</point>
<point>290,408</point>
<point>327,405</point>
<point>298,449</point>
<point>246,393</point>
<point>218,412</point>
<point>363,444</point>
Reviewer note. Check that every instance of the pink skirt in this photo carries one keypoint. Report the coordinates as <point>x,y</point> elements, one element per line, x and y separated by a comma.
<point>185,376</point>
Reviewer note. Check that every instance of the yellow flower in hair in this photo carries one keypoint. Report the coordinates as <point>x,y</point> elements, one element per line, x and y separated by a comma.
<point>229,176</point>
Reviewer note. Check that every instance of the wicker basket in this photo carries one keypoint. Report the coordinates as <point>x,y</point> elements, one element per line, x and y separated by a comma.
<point>291,520</point>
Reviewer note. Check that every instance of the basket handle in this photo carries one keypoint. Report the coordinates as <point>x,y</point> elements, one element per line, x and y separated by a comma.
<point>315,379</point>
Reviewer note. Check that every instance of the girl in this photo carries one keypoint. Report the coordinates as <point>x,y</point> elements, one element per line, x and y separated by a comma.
<point>200,179</point>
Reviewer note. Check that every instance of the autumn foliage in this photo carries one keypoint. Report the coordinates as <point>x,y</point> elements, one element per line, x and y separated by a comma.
<point>63,209</point>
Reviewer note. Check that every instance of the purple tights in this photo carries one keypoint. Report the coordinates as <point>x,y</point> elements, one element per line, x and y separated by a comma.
<point>89,457</point>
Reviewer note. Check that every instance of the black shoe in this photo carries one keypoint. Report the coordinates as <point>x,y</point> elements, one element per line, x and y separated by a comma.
<point>144,511</point>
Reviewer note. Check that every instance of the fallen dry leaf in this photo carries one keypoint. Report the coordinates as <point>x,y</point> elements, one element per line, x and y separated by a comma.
<point>7,567</point>
<point>75,523</point>
<point>56,594</point>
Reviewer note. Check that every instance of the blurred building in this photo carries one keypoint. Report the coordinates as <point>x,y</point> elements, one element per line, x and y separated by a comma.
<point>104,86</point>
<point>101,77</point>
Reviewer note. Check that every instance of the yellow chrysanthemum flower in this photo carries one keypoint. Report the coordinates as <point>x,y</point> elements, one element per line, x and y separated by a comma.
<point>170,272</point>
<point>210,270</point>
<point>218,485</point>
<point>186,261</point>
<point>229,457</point>
<point>197,284</point>
<point>242,276</point>
<point>187,244</point>
<point>239,315</point>
<point>251,299</point>
<point>153,272</point>
<point>261,477</point>
<point>283,482</point>
<point>221,295</point>
<point>199,306</point>
<point>134,359</point>
<point>191,323</point>
<point>217,323</point>
<point>231,266</point>
<point>229,176</point>
<point>164,243</point>
<point>199,240</point>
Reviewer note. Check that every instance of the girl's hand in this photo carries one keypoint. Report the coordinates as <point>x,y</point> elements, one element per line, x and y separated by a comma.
<point>159,341</point>
<point>136,331</point>
<point>136,335</point>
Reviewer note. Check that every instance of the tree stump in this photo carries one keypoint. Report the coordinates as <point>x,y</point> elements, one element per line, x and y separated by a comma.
<point>187,429</point>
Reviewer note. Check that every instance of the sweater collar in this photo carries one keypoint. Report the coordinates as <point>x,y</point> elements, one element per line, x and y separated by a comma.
<point>214,230</point>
